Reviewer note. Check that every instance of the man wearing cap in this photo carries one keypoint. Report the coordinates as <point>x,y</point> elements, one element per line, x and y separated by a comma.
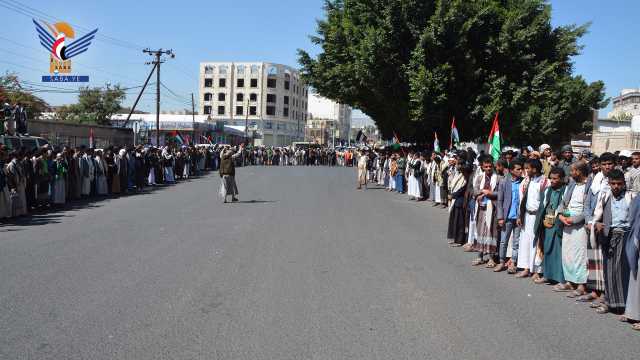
<point>545,152</point>
<point>566,161</point>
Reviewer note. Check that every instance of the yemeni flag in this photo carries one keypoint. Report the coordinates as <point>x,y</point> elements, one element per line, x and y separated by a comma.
<point>436,143</point>
<point>455,137</point>
<point>494,140</point>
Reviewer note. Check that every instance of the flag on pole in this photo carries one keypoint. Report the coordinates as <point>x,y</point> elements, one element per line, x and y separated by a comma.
<point>436,143</point>
<point>494,140</point>
<point>91,138</point>
<point>455,137</point>
<point>396,141</point>
<point>177,137</point>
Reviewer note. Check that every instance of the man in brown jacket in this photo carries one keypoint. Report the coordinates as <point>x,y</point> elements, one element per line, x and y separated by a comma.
<point>228,173</point>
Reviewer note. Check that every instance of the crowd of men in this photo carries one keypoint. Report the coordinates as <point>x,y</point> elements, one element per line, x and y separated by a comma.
<point>569,221</point>
<point>13,119</point>
<point>39,179</point>
<point>299,156</point>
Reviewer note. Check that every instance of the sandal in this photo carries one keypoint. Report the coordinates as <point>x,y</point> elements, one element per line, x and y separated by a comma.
<point>575,294</point>
<point>512,270</point>
<point>585,298</point>
<point>477,262</point>
<point>623,318</point>
<point>602,309</point>
<point>450,242</point>
<point>540,280</point>
<point>455,245</point>
<point>595,305</point>
<point>499,268</point>
<point>562,288</point>
<point>636,326</point>
<point>491,264</point>
<point>523,274</point>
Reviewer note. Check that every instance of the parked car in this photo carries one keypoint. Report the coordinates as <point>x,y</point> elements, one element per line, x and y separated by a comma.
<point>18,142</point>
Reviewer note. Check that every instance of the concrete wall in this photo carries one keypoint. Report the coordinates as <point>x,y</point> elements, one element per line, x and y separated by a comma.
<point>59,133</point>
<point>614,141</point>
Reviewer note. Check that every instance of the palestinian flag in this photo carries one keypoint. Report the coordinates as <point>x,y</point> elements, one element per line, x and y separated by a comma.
<point>436,143</point>
<point>455,137</point>
<point>177,137</point>
<point>494,140</point>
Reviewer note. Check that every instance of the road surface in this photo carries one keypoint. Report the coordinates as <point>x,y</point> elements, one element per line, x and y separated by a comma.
<point>306,267</point>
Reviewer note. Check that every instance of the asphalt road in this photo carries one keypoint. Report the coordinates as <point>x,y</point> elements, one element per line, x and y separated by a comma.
<point>305,268</point>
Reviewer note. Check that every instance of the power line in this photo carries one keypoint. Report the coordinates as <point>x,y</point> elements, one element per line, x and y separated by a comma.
<point>75,61</point>
<point>35,13</point>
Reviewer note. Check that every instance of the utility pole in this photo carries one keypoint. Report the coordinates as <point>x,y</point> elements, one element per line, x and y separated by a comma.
<point>246,124</point>
<point>157,54</point>
<point>193,121</point>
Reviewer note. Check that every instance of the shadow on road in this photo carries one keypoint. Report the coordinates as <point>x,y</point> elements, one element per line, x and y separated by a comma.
<point>53,214</point>
<point>255,202</point>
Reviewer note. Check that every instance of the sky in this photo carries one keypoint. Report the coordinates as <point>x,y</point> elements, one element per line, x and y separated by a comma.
<point>251,30</point>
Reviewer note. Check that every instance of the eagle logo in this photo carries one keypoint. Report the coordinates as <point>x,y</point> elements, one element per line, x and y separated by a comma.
<point>55,40</point>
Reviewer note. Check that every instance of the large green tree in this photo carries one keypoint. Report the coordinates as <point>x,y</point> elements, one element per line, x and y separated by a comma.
<point>12,92</point>
<point>95,106</point>
<point>412,65</point>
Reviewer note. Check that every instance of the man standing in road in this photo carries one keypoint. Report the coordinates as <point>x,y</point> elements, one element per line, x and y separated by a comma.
<point>362,169</point>
<point>228,173</point>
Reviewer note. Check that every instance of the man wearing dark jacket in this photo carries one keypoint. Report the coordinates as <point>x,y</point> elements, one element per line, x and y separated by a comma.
<point>228,173</point>
<point>508,212</point>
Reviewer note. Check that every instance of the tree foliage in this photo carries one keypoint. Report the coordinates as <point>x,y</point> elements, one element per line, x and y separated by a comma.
<point>95,106</point>
<point>12,92</point>
<point>413,64</point>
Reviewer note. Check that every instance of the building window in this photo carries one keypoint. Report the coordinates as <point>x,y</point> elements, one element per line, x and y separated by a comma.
<point>286,100</point>
<point>207,110</point>
<point>222,70</point>
<point>285,112</point>
<point>271,98</point>
<point>239,110</point>
<point>253,110</point>
<point>208,96</point>
<point>222,83</point>
<point>272,83</point>
<point>268,125</point>
<point>240,97</point>
<point>273,70</point>
<point>208,83</point>
<point>222,97</point>
<point>220,110</point>
<point>240,83</point>
<point>240,69</point>
<point>254,83</point>
<point>208,69</point>
<point>271,110</point>
<point>253,97</point>
<point>254,69</point>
